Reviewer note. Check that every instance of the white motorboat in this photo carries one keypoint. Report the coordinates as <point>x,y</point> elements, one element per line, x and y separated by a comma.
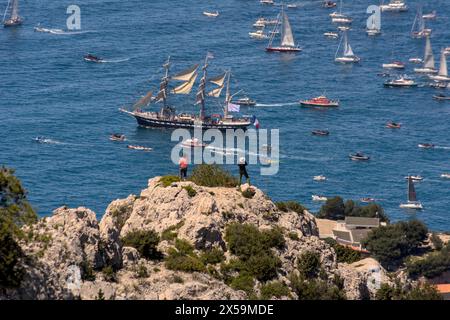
<point>318,198</point>
<point>412,202</point>
<point>447,50</point>
<point>445,175</point>
<point>319,178</point>
<point>394,6</point>
<point>426,145</point>
<point>211,14</point>
<point>332,35</point>
<point>140,148</point>
<point>192,143</point>
<point>415,60</point>
<point>394,65</point>
<point>271,2</point>
<point>430,16</point>
<point>359,157</point>
<point>428,61</point>
<point>402,81</point>
<point>347,55</point>
<point>415,178</point>
<point>345,20</point>
<point>258,34</point>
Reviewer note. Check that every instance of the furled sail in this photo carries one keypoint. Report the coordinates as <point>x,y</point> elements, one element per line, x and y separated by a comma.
<point>287,38</point>
<point>411,190</point>
<point>162,93</point>
<point>200,97</point>
<point>443,71</point>
<point>186,87</point>
<point>428,58</point>
<point>186,75</point>
<point>218,81</point>
<point>142,102</point>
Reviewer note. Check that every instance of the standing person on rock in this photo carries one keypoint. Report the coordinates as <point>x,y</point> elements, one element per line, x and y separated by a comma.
<point>243,171</point>
<point>183,163</point>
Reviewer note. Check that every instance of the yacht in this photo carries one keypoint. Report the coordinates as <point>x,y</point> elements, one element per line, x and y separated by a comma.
<point>443,70</point>
<point>428,60</point>
<point>359,157</point>
<point>394,6</point>
<point>258,34</point>
<point>347,55</point>
<point>445,175</point>
<point>394,65</point>
<point>402,81</point>
<point>412,202</point>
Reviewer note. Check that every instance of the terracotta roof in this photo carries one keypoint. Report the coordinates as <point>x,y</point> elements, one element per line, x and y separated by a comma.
<point>443,288</point>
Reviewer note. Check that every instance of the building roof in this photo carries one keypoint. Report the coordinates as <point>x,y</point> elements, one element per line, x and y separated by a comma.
<point>359,234</point>
<point>363,222</point>
<point>342,235</point>
<point>443,288</point>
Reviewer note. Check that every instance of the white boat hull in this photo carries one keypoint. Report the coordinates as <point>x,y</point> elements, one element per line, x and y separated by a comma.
<point>347,59</point>
<point>425,70</point>
<point>412,205</point>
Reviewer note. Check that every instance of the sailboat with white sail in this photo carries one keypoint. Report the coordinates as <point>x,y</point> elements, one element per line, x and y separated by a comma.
<point>412,202</point>
<point>12,9</point>
<point>287,43</point>
<point>373,29</point>
<point>339,17</point>
<point>418,29</point>
<point>168,118</point>
<point>443,70</point>
<point>347,55</point>
<point>428,60</point>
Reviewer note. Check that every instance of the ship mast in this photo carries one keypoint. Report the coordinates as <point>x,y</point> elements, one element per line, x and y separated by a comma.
<point>227,96</point>
<point>201,90</point>
<point>165,81</point>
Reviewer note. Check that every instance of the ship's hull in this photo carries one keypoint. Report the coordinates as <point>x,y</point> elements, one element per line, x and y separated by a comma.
<point>12,23</point>
<point>172,124</point>
<point>283,49</point>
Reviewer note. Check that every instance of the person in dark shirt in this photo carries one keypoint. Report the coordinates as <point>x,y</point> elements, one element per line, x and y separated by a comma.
<point>243,171</point>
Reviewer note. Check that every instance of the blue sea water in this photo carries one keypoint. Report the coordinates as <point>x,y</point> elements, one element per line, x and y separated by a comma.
<point>46,89</point>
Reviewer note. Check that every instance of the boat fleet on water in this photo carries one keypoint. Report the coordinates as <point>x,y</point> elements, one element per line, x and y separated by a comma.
<point>280,39</point>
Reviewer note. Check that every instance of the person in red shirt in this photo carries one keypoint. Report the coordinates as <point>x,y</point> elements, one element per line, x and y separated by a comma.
<point>183,163</point>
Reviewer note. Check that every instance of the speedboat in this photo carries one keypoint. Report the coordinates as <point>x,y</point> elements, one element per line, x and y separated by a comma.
<point>318,198</point>
<point>367,200</point>
<point>415,178</point>
<point>245,102</point>
<point>441,97</point>
<point>329,4</point>
<point>192,143</point>
<point>41,139</point>
<point>412,205</point>
<point>426,145</point>
<point>266,2</point>
<point>91,58</point>
<point>394,6</point>
<point>342,19</point>
<point>429,16</point>
<point>320,101</point>
<point>394,65</point>
<point>319,178</point>
<point>258,34</point>
<point>211,14</point>
<point>358,157</point>
<point>393,125</point>
<point>292,6</point>
<point>332,35</point>
<point>445,175</point>
<point>140,148</point>
<point>401,82</point>
<point>117,137</point>
<point>416,60</point>
<point>320,132</point>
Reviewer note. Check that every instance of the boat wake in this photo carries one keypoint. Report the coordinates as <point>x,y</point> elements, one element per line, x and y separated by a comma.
<point>442,147</point>
<point>47,141</point>
<point>276,104</point>
<point>59,31</point>
<point>114,60</point>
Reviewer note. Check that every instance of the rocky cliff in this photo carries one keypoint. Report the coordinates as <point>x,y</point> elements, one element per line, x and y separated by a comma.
<point>67,253</point>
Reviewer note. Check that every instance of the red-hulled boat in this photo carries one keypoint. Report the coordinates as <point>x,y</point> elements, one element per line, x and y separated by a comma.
<point>320,101</point>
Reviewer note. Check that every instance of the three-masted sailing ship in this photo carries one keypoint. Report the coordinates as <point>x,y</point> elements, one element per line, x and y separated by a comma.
<point>287,43</point>
<point>12,9</point>
<point>167,116</point>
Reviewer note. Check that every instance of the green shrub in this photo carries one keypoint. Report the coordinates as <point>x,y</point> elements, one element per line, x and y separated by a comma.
<point>263,266</point>
<point>183,246</point>
<point>287,206</point>
<point>275,289</point>
<point>308,264</point>
<point>208,175</point>
<point>293,236</point>
<point>248,193</point>
<point>176,279</point>
<point>333,209</point>
<point>87,272</point>
<point>170,233</point>
<point>100,295</point>
<point>109,274</point>
<point>168,180</point>
<point>336,209</point>
<point>391,244</point>
<point>438,244</point>
<point>212,256</point>
<point>190,191</point>
<point>140,271</point>
<point>314,289</point>
<point>183,258</point>
<point>417,292</point>
<point>244,282</point>
<point>11,274</point>
<point>432,265</point>
<point>145,242</point>
<point>343,253</point>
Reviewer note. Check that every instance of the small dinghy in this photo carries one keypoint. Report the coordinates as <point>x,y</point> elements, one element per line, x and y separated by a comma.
<point>329,4</point>
<point>358,157</point>
<point>320,132</point>
<point>91,58</point>
<point>319,178</point>
<point>117,137</point>
<point>192,143</point>
<point>367,200</point>
<point>140,148</point>
<point>445,175</point>
<point>416,60</point>
<point>211,14</point>
<point>318,198</point>
<point>415,178</point>
<point>331,35</point>
<point>441,97</point>
<point>426,145</point>
<point>393,125</point>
